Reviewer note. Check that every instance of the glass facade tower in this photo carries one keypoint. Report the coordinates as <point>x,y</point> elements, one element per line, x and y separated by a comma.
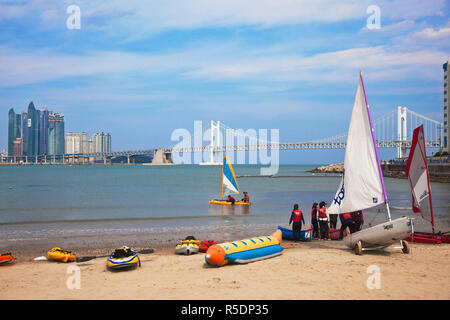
<point>14,129</point>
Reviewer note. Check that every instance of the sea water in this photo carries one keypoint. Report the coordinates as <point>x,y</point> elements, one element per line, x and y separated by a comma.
<point>39,201</point>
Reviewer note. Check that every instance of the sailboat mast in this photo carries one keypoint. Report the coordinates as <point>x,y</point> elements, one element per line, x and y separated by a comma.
<point>221,178</point>
<point>376,149</point>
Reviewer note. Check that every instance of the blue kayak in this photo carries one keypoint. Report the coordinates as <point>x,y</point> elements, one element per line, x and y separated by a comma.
<point>306,235</point>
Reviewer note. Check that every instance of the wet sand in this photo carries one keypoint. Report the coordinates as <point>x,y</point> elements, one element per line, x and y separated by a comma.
<point>307,270</point>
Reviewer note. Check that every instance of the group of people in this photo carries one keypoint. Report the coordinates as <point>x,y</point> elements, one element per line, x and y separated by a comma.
<point>246,198</point>
<point>322,222</point>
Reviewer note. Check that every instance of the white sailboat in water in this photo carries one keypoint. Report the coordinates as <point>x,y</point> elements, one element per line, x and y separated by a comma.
<point>362,185</point>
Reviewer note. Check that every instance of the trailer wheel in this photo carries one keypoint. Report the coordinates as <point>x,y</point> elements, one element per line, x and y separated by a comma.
<point>405,246</point>
<point>358,248</point>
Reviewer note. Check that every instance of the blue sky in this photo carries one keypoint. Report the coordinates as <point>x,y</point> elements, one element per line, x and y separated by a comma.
<point>141,69</point>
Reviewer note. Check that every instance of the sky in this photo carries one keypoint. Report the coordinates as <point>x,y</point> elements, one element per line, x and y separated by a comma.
<point>142,69</point>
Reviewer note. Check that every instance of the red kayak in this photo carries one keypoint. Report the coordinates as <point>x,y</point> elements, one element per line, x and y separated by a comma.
<point>6,258</point>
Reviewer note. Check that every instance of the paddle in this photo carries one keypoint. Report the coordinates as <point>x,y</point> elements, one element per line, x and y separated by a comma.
<point>88,258</point>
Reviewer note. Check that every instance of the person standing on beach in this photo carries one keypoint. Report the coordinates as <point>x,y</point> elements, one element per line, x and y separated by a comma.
<point>333,221</point>
<point>297,218</point>
<point>314,221</point>
<point>323,221</point>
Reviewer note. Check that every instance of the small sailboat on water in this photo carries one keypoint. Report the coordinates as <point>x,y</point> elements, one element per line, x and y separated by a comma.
<point>229,183</point>
<point>362,184</point>
<point>419,181</point>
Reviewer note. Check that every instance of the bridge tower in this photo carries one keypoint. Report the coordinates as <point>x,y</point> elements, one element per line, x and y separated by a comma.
<point>215,143</point>
<point>402,131</point>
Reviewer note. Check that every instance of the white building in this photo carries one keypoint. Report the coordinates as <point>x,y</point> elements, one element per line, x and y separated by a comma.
<point>76,143</point>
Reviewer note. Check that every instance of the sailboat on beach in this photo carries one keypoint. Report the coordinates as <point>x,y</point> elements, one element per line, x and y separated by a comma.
<point>419,181</point>
<point>362,184</point>
<point>229,183</point>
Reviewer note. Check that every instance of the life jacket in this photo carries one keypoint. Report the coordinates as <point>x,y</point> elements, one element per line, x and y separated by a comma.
<point>347,216</point>
<point>323,213</point>
<point>297,216</point>
<point>246,197</point>
<point>314,213</point>
<point>230,198</point>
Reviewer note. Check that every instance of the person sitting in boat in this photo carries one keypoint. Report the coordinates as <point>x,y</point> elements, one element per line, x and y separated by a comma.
<point>323,221</point>
<point>347,221</point>
<point>297,218</point>
<point>231,199</point>
<point>358,220</point>
<point>246,198</point>
<point>314,222</point>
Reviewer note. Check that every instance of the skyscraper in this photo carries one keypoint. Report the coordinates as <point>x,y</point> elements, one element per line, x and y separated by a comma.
<point>31,130</point>
<point>55,134</point>
<point>101,142</point>
<point>43,132</point>
<point>446,98</point>
<point>14,130</point>
<point>76,143</point>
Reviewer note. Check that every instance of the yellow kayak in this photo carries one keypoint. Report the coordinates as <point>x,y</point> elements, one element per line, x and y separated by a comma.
<point>61,255</point>
<point>224,202</point>
<point>187,247</point>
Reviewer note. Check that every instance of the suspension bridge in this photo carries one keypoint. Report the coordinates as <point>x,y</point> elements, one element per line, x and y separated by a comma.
<point>392,130</point>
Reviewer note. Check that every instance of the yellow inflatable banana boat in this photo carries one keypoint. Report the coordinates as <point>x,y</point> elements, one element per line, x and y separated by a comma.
<point>58,254</point>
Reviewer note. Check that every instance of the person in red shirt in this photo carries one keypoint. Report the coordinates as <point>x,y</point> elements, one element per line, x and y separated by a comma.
<point>297,218</point>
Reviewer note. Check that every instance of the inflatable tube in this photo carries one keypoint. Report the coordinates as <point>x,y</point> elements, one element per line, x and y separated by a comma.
<point>6,258</point>
<point>227,203</point>
<point>306,235</point>
<point>187,247</point>
<point>245,251</point>
<point>124,262</point>
<point>205,244</point>
<point>58,254</point>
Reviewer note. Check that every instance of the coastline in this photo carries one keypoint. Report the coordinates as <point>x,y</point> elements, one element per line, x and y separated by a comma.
<point>438,172</point>
<point>306,270</point>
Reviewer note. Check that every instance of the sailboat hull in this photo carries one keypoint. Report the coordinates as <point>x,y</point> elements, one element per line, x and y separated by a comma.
<point>382,235</point>
<point>224,202</point>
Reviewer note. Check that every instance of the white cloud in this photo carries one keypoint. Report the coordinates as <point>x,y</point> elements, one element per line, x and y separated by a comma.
<point>430,33</point>
<point>227,63</point>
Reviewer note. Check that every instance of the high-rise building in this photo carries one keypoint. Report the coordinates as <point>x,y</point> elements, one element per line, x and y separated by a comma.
<point>14,130</point>
<point>43,132</point>
<point>17,147</point>
<point>31,130</point>
<point>101,142</point>
<point>76,143</point>
<point>55,134</point>
<point>446,99</point>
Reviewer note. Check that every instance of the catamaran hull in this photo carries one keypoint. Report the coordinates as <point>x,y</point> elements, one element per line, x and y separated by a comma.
<point>382,235</point>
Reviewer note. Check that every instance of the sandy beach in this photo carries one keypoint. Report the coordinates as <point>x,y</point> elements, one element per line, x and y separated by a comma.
<point>307,270</point>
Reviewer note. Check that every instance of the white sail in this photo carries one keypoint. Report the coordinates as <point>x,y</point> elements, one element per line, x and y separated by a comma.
<point>361,185</point>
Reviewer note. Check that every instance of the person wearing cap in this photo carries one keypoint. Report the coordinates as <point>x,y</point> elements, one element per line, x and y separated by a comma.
<point>297,218</point>
<point>323,221</point>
